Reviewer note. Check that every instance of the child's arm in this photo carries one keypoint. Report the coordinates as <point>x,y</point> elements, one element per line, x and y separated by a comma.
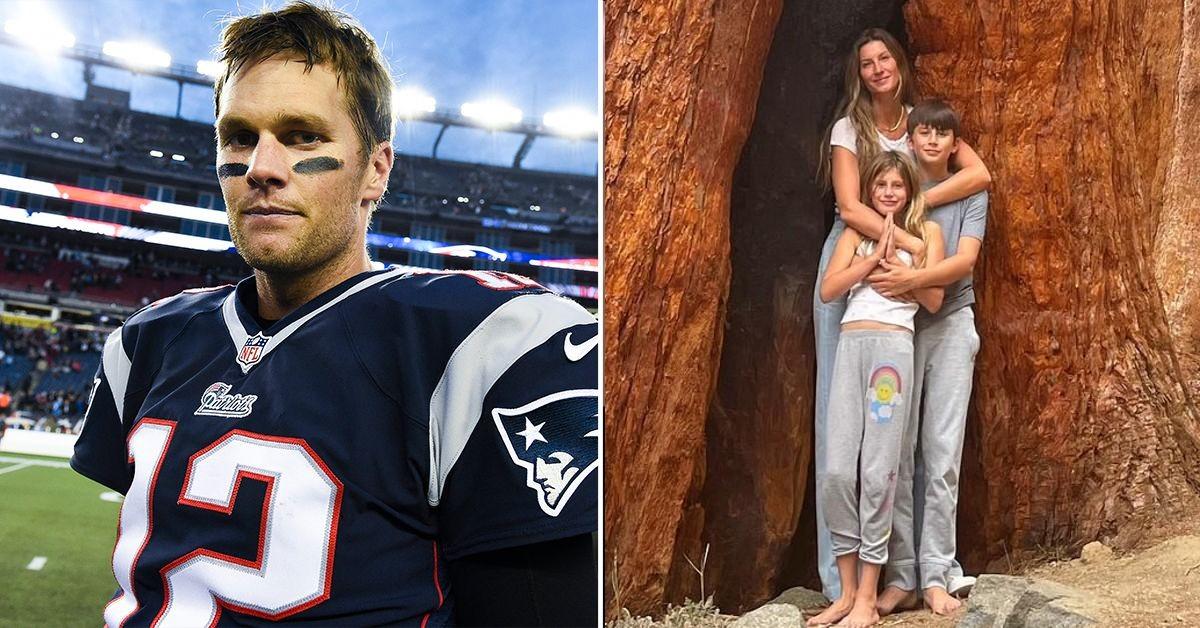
<point>899,279</point>
<point>972,176</point>
<point>931,297</point>
<point>856,214</point>
<point>845,268</point>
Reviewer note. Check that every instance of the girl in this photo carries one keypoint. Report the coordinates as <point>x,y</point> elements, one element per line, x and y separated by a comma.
<point>872,116</point>
<point>867,410</point>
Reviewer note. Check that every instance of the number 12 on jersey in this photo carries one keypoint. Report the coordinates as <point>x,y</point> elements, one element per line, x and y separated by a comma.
<point>293,568</point>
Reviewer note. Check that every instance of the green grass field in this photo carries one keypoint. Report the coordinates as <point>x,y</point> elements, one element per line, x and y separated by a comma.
<point>58,514</point>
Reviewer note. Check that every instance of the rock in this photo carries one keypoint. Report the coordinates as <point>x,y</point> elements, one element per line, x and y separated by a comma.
<point>771,616</point>
<point>680,84</point>
<point>1012,601</point>
<point>801,598</point>
<point>1095,552</point>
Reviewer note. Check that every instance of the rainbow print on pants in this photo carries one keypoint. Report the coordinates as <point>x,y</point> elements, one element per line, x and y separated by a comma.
<point>883,393</point>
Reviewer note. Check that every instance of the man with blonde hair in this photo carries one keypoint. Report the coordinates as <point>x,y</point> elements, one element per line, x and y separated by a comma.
<point>330,442</point>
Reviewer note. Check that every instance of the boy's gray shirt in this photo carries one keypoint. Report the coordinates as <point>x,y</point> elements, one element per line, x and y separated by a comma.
<point>965,217</point>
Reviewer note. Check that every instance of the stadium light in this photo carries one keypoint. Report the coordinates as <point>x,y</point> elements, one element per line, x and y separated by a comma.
<point>77,139</point>
<point>492,113</point>
<point>40,32</point>
<point>410,101</point>
<point>156,153</point>
<point>137,54</point>
<point>572,122</point>
<point>213,69</point>
<point>177,157</point>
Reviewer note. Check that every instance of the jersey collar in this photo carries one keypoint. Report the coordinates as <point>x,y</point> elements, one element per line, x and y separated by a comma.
<point>253,344</point>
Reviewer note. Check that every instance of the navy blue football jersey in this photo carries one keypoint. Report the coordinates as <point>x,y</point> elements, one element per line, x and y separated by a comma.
<point>324,469</point>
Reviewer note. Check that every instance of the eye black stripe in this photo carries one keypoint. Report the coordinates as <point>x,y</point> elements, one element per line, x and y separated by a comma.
<point>317,164</point>
<point>232,169</point>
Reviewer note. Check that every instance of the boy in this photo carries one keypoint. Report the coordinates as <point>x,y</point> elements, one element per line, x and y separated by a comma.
<point>922,547</point>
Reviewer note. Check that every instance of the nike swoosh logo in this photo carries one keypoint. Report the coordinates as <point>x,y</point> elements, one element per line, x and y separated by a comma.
<point>575,352</point>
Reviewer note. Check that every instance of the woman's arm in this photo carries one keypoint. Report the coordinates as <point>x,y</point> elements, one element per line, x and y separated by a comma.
<point>845,268</point>
<point>971,177</point>
<point>856,214</point>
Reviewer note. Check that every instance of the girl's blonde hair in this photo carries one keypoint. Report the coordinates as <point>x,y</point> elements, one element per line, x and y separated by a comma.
<point>856,102</point>
<point>913,217</point>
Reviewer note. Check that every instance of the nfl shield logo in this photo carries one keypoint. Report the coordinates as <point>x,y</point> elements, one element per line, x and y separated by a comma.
<point>252,351</point>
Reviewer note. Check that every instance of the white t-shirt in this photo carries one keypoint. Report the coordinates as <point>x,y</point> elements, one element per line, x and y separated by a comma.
<point>844,135</point>
<point>864,304</point>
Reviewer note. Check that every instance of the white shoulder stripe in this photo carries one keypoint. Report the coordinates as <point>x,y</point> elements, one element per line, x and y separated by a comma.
<point>508,333</point>
<point>116,369</point>
<point>237,331</point>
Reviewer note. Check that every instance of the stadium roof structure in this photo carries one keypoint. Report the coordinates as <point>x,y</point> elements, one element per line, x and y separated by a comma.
<point>92,56</point>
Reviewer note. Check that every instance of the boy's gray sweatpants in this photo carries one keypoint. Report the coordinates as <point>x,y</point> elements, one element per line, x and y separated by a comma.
<point>922,548</point>
<point>868,408</point>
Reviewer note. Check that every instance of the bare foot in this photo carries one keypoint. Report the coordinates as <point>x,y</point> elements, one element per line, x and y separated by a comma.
<point>862,615</point>
<point>836,611</point>
<point>940,602</point>
<point>896,599</point>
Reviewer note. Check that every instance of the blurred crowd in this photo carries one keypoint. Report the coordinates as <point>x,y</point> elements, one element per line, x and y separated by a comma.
<point>45,374</point>
<point>60,267</point>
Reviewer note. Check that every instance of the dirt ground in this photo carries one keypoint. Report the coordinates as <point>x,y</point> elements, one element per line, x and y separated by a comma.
<point>1157,583</point>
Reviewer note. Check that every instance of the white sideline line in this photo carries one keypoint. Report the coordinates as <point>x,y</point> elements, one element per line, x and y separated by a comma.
<point>56,464</point>
<point>37,563</point>
<point>15,467</point>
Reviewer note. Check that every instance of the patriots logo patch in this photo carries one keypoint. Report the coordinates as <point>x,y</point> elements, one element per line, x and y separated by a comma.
<point>555,440</point>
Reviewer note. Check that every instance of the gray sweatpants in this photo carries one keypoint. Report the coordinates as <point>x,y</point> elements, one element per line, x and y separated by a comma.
<point>865,425</point>
<point>923,545</point>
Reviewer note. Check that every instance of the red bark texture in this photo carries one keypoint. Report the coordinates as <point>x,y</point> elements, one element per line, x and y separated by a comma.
<point>1175,270</point>
<point>681,78</point>
<point>1083,423</point>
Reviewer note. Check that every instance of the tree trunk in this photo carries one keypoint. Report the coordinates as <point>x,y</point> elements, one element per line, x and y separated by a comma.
<point>1179,223</point>
<point>680,83</point>
<point>1084,425</point>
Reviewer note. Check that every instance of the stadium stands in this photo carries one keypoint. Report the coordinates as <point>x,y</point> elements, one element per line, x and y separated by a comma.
<point>49,372</point>
<point>106,147</point>
<point>102,270</point>
<point>124,136</point>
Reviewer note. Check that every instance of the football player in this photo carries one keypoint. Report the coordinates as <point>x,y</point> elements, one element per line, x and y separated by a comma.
<point>327,442</point>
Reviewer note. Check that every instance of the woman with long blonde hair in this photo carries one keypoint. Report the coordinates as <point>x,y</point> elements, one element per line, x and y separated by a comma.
<point>870,384</point>
<point>879,91</point>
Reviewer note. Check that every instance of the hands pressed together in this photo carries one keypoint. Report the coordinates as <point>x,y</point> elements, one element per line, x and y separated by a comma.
<point>892,279</point>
